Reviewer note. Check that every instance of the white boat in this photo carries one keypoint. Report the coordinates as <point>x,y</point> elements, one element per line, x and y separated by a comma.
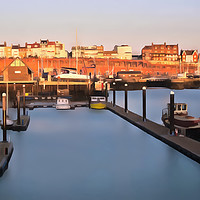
<point>63,104</point>
<point>72,75</point>
<point>9,122</point>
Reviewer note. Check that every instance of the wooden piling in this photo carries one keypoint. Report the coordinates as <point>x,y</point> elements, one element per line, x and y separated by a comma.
<point>171,119</point>
<point>106,91</point>
<point>24,103</point>
<point>114,95</point>
<point>18,107</point>
<point>14,87</point>
<point>144,103</point>
<point>4,117</point>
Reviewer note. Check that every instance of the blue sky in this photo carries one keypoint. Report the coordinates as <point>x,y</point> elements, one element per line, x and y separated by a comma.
<point>106,22</point>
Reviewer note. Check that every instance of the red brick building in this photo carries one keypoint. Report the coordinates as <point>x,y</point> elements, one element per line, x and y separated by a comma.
<point>161,53</point>
<point>104,67</point>
<point>17,70</point>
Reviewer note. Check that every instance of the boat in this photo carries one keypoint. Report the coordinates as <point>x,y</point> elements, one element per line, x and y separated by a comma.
<point>184,124</point>
<point>97,102</point>
<point>62,104</point>
<point>72,75</point>
<point>9,122</point>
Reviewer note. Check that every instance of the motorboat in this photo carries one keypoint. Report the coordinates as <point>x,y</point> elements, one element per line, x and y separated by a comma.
<point>183,123</point>
<point>62,104</point>
<point>97,102</point>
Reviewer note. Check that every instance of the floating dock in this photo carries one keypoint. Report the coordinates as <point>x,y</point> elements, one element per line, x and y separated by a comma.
<point>6,150</point>
<point>24,122</point>
<point>73,104</point>
<point>185,145</point>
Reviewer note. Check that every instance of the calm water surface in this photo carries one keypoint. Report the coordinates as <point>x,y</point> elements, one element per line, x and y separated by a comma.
<point>95,155</point>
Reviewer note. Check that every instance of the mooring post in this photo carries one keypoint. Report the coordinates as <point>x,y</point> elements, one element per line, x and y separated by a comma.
<point>18,107</point>
<point>171,117</point>
<point>14,89</point>
<point>114,94</point>
<point>24,103</point>
<point>106,91</point>
<point>126,98</point>
<point>4,116</point>
<point>89,87</point>
<point>144,103</point>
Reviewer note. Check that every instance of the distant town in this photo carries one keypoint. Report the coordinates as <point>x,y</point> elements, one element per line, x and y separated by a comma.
<point>48,58</point>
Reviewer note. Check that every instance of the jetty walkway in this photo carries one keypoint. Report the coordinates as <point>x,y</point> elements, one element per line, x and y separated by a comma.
<point>185,145</point>
<point>6,150</point>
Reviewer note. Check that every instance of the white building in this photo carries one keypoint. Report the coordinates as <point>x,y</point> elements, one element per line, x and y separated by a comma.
<point>124,52</point>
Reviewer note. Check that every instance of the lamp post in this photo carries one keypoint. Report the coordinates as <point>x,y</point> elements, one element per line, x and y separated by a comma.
<point>24,103</point>
<point>114,94</point>
<point>144,103</point>
<point>171,117</point>
<point>4,116</point>
<point>126,97</point>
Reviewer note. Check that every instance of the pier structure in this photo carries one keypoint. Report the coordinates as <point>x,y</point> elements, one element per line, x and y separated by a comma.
<point>6,148</point>
<point>185,145</point>
<point>46,88</point>
<point>22,121</point>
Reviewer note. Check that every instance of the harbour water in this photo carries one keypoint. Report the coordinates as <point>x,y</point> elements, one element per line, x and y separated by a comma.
<point>94,155</point>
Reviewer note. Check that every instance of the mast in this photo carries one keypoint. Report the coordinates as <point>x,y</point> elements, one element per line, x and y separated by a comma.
<point>76,53</point>
<point>6,87</point>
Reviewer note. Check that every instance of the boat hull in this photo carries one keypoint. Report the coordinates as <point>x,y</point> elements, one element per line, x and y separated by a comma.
<point>185,123</point>
<point>98,105</point>
<point>63,107</point>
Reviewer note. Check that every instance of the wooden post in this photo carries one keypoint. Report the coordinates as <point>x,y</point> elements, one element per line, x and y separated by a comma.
<point>14,88</point>
<point>114,95</point>
<point>4,116</point>
<point>24,103</point>
<point>126,98</point>
<point>106,91</point>
<point>144,103</point>
<point>18,107</point>
<point>171,117</point>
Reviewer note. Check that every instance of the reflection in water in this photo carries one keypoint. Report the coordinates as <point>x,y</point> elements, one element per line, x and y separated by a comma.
<point>94,154</point>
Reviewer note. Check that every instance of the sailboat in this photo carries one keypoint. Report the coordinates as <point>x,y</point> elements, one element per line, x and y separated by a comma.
<point>72,74</point>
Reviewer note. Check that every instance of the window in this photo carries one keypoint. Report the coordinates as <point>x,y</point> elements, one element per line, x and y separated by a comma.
<point>183,107</point>
<point>179,107</point>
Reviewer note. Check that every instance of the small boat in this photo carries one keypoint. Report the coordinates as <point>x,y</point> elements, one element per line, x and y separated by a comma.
<point>63,104</point>
<point>9,122</point>
<point>183,123</point>
<point>97,102</point>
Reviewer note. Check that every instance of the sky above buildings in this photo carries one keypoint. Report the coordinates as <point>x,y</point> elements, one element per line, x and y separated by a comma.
<point>106,22</point>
